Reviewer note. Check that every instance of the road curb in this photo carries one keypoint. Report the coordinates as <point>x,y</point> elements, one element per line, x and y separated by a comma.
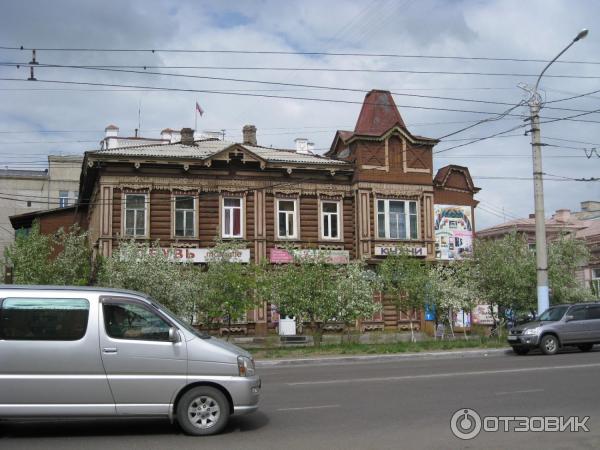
<point>325,360</point>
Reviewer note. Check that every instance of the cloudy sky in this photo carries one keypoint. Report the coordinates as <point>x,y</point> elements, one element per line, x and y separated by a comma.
<point>39,118</point>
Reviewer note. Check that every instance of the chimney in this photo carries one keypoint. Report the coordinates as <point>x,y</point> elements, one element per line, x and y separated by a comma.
<point>187,136</point>
<point>111,131</point>
<point>249,133</point>
<point>532,215</point>
<point>166,135</point>
<point>303,146</point>
<point>562,215</point>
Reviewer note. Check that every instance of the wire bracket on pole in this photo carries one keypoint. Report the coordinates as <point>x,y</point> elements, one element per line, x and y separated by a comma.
<point>32,64</point>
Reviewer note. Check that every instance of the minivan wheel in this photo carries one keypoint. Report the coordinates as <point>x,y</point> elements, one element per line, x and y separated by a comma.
<point>520,350</point>
<point>549,344</point>
<point>585,347</point>
<point>202,411</point>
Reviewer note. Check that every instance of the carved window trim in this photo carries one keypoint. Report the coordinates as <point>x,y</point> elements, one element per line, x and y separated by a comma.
<point>242,199</point>
<point>296,217</point>
<point>124,209</point>
<point>340,220</point>
<point>407,215</point>
<point>195,214</point>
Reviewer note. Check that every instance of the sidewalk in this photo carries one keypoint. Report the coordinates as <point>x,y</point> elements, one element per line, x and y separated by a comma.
<point>328,360</point>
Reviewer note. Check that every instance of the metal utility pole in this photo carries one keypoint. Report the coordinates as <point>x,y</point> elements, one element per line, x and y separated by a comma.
<point>541,250</point>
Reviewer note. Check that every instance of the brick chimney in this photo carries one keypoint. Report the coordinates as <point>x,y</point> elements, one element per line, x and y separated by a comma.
<point>562,215</point>
<point>187,136</point>
<point>249,133</point>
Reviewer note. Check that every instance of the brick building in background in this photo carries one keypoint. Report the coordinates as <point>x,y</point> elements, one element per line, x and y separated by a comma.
<point>584,225</point>
<point>372,194</point>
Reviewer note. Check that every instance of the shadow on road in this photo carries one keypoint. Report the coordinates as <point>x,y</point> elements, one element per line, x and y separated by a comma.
<point>19,428</point>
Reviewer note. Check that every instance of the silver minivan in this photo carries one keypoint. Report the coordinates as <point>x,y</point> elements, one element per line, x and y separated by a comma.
<point>72,351</point>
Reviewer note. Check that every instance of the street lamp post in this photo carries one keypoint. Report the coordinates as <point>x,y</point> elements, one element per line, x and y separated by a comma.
<point>535,104</point>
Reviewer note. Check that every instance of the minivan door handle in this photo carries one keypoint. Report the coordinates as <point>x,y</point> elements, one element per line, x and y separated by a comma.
<point>109,350</point>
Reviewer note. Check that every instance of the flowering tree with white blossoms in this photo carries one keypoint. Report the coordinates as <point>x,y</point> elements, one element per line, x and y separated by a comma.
<point>405,279</point>
<point>356,286</point>
<point>450,290</point>
<point>147,269</point>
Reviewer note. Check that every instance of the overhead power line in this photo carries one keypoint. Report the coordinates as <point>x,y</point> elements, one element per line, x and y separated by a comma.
<point>277,83</point>
<point>124,67</point>
<point>281,52</point>
<point>286,97</point>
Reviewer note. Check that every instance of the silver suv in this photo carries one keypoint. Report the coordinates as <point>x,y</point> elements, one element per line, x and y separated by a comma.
<point>575,325</point>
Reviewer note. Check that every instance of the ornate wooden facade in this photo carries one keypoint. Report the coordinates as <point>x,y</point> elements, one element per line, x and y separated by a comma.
<point>371,194</point>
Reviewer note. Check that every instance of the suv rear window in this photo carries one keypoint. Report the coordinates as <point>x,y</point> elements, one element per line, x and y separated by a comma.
<point>43,319</point>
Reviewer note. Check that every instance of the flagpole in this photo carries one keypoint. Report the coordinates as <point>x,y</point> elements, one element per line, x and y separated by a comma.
<point>195,118</point>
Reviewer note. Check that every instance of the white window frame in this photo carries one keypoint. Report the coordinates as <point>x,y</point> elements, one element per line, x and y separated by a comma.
<point>63,201</point>
<point>323,214</point>
<point>186,211</point>
<point>242,217</point>
<point>386,213</point>
<point>146,215</point>
<point>296,232</point>
<point>595,281</point>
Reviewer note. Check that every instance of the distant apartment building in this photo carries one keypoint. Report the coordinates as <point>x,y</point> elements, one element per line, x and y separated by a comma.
<point>24,191</point>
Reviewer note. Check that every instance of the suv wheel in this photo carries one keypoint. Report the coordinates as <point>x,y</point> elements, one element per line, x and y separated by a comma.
<point>585,347</point>
<point>549,344</point>
<point>202,411</point>
<point>520,350</point>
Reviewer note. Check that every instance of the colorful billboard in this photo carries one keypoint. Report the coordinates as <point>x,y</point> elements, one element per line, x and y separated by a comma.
<point>453,231</point>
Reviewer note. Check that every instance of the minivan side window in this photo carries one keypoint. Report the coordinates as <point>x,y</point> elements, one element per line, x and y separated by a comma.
<point>132,321</point>
<point>43,319</point>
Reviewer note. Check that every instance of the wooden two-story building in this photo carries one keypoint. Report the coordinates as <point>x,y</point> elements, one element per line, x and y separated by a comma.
<point>372,194</point>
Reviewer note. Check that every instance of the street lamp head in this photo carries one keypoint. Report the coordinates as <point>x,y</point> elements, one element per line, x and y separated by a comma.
<point>583,33</point>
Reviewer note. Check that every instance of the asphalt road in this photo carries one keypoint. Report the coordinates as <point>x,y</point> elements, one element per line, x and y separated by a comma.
<point>369,404</point>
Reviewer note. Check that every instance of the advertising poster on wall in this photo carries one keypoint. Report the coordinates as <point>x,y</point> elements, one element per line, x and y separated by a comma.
<point>482,315</point>
<point>453,231</point>
<point>462,319</point>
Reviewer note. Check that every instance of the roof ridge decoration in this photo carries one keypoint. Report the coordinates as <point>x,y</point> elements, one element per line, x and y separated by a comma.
<point>378,114</point>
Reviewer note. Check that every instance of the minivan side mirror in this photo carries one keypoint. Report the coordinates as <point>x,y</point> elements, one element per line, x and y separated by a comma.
<point>568,318</point>
<point>174,335</point>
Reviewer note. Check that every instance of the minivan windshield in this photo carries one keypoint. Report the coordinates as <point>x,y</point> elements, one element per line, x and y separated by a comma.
<point>553,314</point>
<point>179,321</point>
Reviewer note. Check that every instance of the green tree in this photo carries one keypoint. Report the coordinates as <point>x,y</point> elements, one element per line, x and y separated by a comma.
<point>62,259</point>
<point>73,263</point>
<point>228,286</point>
<point>29,256</point>
<point>504,270</point>
<point>307,290</point>
<point>405,279</point>
<point>565,256</point>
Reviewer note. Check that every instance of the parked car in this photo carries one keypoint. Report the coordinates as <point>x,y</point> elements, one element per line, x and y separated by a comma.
<point>71,351</point>
<point>560,326</point>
